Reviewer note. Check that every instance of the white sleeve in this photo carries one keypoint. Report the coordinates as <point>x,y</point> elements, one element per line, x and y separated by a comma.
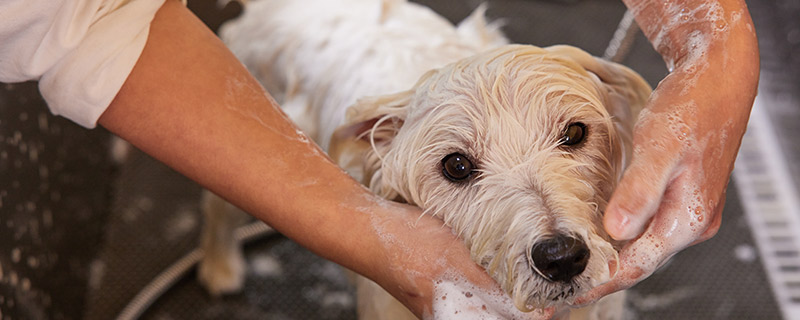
<point>81,51</point>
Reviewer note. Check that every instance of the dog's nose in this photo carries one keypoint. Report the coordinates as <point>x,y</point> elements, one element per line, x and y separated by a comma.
<point>560,258</point>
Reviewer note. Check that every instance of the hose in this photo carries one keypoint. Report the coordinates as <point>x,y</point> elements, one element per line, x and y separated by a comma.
<point>167,278</point>
<point>622,41</point>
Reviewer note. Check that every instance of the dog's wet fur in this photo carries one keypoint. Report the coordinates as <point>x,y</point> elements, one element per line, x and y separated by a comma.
<point>517,148</point>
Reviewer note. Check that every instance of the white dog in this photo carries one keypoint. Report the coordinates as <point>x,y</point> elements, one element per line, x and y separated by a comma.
<point>516,148</point>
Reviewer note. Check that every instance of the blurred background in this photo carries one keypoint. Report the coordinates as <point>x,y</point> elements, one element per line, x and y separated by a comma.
<point>84,227</point>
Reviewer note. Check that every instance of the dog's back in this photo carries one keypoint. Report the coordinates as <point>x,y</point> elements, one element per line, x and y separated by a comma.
<point>318,57</point>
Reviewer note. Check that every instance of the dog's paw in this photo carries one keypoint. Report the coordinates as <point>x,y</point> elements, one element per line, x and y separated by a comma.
<point>222,274</point>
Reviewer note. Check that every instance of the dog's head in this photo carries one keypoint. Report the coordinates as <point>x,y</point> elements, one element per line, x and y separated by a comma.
<point>517,150</point>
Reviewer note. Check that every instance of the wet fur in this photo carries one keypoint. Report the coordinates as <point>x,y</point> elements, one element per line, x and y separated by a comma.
<point>389,88</point>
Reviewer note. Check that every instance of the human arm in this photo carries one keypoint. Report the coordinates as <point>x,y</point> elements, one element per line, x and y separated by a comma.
<point>687,137</point>
<point>190,104</point>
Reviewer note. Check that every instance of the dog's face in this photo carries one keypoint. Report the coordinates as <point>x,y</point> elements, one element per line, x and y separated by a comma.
<point>517,150</point>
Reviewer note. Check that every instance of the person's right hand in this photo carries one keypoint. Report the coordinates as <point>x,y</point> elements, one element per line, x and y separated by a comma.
<point>424,261</point>
<point>686,140</point>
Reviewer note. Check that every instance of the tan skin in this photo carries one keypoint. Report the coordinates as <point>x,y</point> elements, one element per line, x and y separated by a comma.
<point>190,104</point>
<point>673,192</point>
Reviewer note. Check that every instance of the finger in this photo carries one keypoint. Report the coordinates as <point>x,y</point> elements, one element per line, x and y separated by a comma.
<point>627,275</point>
<point>598,292</point>
<point>637,197</point>
<point>713,227</point>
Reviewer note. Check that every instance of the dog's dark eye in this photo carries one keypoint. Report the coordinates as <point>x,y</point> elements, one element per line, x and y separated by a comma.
<point>457,167</point>
<point>574,134</point>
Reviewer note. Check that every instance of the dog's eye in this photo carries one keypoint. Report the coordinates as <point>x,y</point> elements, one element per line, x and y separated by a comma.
<point>457,167</point>
<point>574,134</point>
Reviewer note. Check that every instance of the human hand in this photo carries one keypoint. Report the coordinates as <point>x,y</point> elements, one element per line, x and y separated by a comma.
<point>685,142</point>
<point>430,271</point>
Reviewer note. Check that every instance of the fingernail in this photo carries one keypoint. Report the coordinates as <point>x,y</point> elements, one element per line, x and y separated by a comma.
<point>617,223</point>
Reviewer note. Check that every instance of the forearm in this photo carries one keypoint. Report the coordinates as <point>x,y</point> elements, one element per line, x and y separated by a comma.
<point>712,52</point>
<point>683,31</point>
<point>189,103</point>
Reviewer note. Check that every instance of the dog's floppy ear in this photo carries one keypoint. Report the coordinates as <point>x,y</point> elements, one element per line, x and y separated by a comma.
<point>359,145</point>
<point>626,92</point>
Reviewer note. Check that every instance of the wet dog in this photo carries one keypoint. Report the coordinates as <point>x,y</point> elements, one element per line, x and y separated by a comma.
<point>517,148</point>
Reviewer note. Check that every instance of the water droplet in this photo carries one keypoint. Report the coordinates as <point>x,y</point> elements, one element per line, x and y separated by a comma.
<point>44,172</point>
<point>43,122</point>
<point>47,218</point>
<point>15,139</point>
<point>33,155</point>
<point>144,204</point>
<point>25,284</point>
<point>33,262</point>
<point>13,279</point>
<point>745,253</point>
<point>16,255</point>
<point>721,24</point>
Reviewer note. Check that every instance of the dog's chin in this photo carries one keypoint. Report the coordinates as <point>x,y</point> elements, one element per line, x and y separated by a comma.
<point>532,291</point>
<point>550,294</point>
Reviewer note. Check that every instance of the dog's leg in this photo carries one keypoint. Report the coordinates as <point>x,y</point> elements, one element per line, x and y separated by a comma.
<point>222,269</point>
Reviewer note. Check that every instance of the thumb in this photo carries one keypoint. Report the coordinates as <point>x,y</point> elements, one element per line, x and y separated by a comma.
<point>638,195</point>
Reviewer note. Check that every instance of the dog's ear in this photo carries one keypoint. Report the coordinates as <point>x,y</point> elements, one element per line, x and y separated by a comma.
<point>626,92</point>
<point>358,146</point>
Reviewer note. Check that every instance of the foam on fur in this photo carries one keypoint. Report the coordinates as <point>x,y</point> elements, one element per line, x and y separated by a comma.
<point>389,88</point>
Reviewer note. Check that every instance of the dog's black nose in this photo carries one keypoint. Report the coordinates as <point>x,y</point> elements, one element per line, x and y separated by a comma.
<point>560,258</point>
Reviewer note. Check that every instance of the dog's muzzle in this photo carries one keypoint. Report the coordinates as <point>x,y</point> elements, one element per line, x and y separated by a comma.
<point>560,258</point>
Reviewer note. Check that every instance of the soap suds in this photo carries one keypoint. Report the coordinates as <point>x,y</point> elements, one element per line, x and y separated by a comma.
<point>458,299</point>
